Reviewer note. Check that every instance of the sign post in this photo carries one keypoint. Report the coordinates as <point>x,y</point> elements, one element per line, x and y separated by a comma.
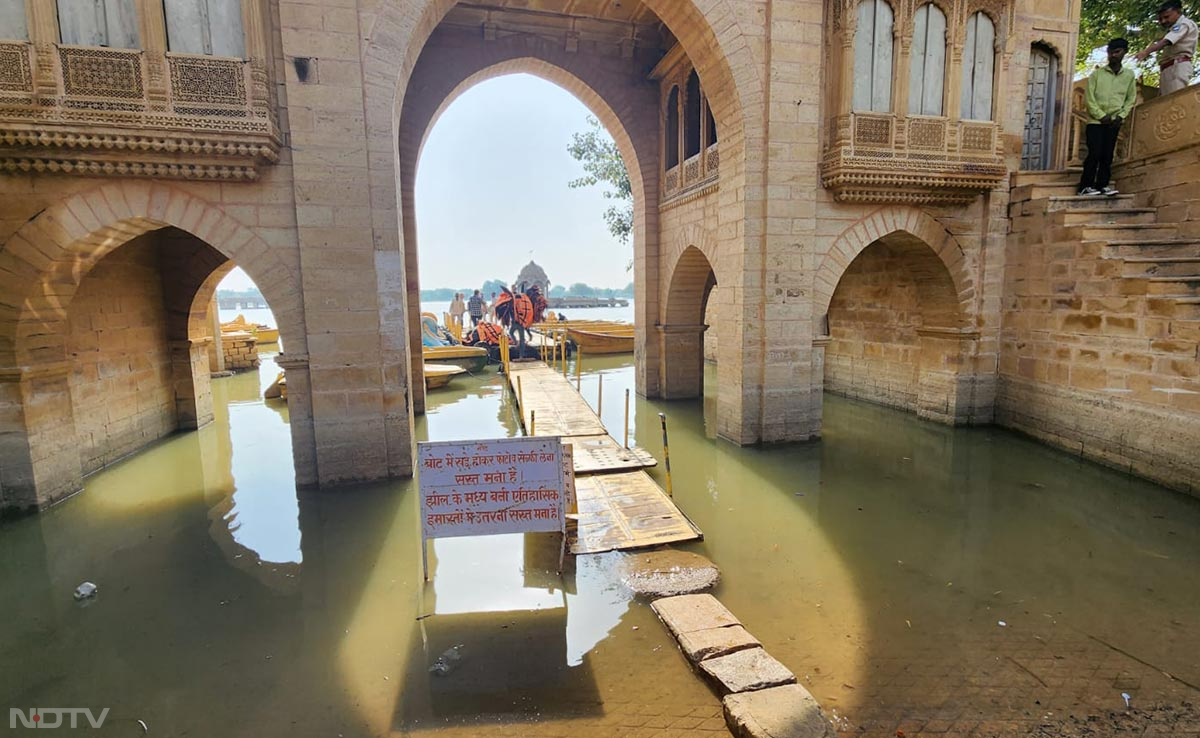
<point>491,487</point>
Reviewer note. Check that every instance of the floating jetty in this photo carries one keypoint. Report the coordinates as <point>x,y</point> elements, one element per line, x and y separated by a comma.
<point>620,505</point>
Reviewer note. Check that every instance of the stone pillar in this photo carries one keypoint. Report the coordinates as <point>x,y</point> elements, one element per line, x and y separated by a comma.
<point>683,375</point>
<point>254,25</point>
<point>193,384</point>
<point>817,381</point>
<point>43,34</point>
<point>945,385</point>
<point>152,28</point>
<point>39,458</point>
<point>216,354</point>
<point>300,417</point>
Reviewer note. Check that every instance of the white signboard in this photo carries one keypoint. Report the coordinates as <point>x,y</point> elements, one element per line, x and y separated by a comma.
<point>480,488</point>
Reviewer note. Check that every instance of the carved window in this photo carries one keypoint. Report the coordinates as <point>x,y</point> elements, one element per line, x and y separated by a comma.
<point>205,27</point>
<point>979,59</point>
<point>691,117</point>
<point>672,129</point>
<point>12,20</point>
<point>873,57</point>
<point>710,130</point>
<point>927,70</point>
<point>111,23</point>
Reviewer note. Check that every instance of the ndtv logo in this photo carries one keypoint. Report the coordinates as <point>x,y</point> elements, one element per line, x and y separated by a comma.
<point>52,717</point>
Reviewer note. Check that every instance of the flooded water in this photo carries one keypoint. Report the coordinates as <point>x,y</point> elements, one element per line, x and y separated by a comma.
<point>908,573</point>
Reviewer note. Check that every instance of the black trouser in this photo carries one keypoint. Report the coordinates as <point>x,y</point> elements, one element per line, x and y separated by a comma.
<point>1101,143</point>
<point>475,320</point>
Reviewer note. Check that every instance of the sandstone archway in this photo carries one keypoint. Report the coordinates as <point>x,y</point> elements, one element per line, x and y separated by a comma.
<point>692,278</point>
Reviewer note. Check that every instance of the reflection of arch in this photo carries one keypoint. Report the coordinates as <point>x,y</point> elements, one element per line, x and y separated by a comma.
<point>882,222</point>
<point>42,264</point>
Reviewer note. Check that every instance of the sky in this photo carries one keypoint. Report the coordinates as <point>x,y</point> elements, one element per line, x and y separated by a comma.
<point>492,193</point>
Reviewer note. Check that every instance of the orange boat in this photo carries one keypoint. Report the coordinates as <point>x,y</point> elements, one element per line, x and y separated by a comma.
<point>603,340</point>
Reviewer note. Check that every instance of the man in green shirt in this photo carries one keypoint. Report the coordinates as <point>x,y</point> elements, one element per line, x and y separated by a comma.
<point>1111,93</point>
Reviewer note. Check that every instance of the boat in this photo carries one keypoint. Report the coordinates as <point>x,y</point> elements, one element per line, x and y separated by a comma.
<point>439,375</point>
<point>278,389</point>
<point>261,331</point>
<point>603,340</point>
<point>471,358</point>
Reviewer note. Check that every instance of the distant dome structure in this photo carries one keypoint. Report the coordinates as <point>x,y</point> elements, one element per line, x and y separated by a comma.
<point>533,274</point>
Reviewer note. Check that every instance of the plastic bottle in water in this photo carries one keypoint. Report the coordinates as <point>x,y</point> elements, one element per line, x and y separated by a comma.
<point>448,661</point>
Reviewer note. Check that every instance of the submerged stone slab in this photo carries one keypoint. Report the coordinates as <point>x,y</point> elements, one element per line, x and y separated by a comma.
<point>779,712</point>
<point>711,642</point>
<point>668,573</point>
<point>746,671</point>
<point>690,613</point>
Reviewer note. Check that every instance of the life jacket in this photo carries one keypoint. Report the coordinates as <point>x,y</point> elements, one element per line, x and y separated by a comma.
<point>488,333</point>
<point>504,307</point>
<point>539,304</point>
<point>523,308</point>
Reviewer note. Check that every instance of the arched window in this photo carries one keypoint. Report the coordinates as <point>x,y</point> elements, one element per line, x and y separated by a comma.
<point>672,126</point>
<point>710,131</point>
<point>927,70</point>
<point>979,58</point>
<point>111,23</point>
<point>205,27</point>
<point>873,57</point>
<point>12,20</point>
<point>691,117</point>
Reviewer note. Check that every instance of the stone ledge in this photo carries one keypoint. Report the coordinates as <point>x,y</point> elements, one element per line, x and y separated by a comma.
<point>690,613</point>
<point>780,712</point>
<point>747,671</point>
<point>706,644</point>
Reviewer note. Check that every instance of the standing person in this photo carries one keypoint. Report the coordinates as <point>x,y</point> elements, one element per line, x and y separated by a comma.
<point>475,308</point>
<point>491,313</point>
<point>1111,92</point>
<point>1174,64</point>
<point>457,308</point>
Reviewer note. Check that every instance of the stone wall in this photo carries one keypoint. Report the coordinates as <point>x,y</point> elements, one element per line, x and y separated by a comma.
<point>240,351</point>
<point>121,380</point>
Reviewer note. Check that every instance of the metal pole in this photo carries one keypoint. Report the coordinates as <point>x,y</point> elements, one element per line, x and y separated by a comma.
<point>666,452</point>
<point>600,398</point>
<point>579,372</point>
<point>532,422</point>
<point>626,419</point>
<point>520,400</point>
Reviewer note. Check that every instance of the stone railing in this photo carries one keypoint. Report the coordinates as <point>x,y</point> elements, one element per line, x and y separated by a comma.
<point>877,157</point>
<point>695,173</point>
<point>1162,125</point>
<point>122,112</point>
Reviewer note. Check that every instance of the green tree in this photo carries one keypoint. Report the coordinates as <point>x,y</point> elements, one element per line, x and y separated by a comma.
<point>492,285</point>
<point>579,289</point>
<point>1134,20</point>
<point>602,161</point>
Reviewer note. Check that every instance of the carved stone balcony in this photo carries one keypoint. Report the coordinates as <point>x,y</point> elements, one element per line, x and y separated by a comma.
<point>877,157</point>
<point>120,112</point>
<point>696,175</point>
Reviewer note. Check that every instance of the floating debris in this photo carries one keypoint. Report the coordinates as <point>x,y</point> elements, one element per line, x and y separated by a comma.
<point>85,591</point>
<point>448,661</point>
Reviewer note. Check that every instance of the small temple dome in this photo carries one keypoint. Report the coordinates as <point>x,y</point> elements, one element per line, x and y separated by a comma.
<point>533,274</point>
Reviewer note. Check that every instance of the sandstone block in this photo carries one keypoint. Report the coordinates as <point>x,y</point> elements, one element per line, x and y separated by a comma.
<point>747,671</point>
<point>780,712</point>
<point>713,642</point>
<point>691,613</point>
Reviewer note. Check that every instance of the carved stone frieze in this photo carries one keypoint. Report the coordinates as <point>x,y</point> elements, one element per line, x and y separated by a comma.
<point>100,118</point>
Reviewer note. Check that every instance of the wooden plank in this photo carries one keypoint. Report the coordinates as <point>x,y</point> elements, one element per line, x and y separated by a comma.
<point>626,511</point>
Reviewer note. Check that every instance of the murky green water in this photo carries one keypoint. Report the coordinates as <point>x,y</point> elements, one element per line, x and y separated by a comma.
<point>878,564</point>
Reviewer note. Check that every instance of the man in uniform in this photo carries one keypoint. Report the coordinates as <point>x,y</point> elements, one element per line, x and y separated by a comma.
<point>1110,95</point>
<point>1175,64</point>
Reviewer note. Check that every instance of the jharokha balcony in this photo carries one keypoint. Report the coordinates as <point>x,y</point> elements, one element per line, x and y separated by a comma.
<point>878,157</point>
<point>149,112</point>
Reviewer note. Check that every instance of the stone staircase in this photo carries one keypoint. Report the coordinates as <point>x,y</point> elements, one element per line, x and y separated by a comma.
<point>1155,260</point>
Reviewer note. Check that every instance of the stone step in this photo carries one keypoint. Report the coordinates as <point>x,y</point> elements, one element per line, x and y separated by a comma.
<point>1180,266</point>
<point>1179,285</point>
<point>1123,216</point>
<point>1079,202</point>
<point>1183,307</point>
<point>1154,248</point>
<point>1039,191</point>
<point>1124,232</point>
<point>1070,175</point>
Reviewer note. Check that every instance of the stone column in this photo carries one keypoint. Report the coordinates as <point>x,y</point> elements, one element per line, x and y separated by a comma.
<point>39,458</point>
<point>255,28</point>
<point>193,384</point>
<point>300,417</point>
<point>42,18</point>
<point>683,376</point>
<point>152,27</point>
<point>216,354</point>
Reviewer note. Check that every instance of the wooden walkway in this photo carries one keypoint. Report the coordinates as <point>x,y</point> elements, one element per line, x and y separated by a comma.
<point>620,506</point>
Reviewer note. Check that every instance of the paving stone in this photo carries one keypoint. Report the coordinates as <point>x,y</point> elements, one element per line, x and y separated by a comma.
<point>690,613</point>
<point>779,712</point>
<point>706,644</point>
<point>745,671</point>
<point>668,572</point>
